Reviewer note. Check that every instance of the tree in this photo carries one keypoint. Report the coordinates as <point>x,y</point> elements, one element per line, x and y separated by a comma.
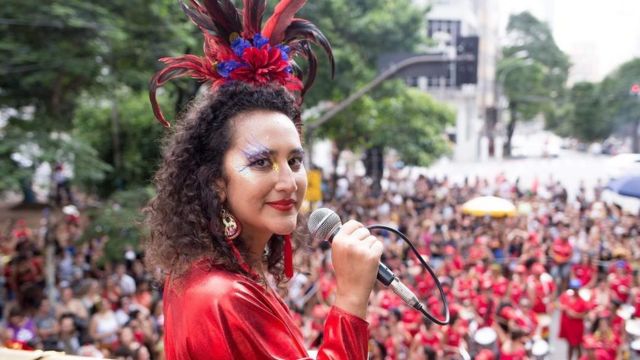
<point>622,107</point>
<point>120,221</point>
<point>533,71</point>
<point>137,138</point>
<point>58,55</point>
<point>587,121</point>
<point>405,119</point>
<point>360,32</point>
<point>412,123</point>
<point>49,53</point>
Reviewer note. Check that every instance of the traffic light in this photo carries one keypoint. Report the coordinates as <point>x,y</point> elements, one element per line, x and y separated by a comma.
<point>467,67</point>
<point>635,89</point>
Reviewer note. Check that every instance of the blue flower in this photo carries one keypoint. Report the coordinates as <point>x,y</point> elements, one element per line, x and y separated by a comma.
<point>289,69</point>
<point>239,45</point>
<point>259,40</point>
<point>226,67</point>
<point>284,51</point>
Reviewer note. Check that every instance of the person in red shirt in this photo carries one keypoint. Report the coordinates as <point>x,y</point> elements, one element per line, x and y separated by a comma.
<point>540,287</point>
<point>585,271</point>
<point>561,251</point>
<point>574,309</point>
<point>605,337</point>
<point>427,342</point>
<point>511,332</point>
<point>620,281</point>
<point>21,231</point>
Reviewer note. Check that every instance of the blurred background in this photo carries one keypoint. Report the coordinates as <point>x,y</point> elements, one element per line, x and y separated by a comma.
<point>435,103</point>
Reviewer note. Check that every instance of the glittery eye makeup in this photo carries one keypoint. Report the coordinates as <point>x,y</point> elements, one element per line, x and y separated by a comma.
<point>256,155</point>
<point>260,157</point>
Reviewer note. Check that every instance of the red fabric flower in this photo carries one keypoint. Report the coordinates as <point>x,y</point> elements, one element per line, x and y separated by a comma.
<point>263,66</point>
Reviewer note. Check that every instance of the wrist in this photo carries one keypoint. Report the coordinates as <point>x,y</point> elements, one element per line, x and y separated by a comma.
<point>352,305</point>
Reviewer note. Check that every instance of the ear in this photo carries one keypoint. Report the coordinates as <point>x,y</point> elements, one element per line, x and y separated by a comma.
<point>220,188</point>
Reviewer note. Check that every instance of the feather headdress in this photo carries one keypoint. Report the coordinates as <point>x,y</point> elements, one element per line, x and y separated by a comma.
<point>238,48</point>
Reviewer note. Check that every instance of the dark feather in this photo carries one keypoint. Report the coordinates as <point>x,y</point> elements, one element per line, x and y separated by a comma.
<point>303,29</point>
<point>252,12</point>
<point>201,20</point>
<point>312,66</point>
<point>225,16</point>
<point>282,15</point>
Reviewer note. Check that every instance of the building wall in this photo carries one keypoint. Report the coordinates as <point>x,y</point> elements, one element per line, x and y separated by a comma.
<point>465,18</point>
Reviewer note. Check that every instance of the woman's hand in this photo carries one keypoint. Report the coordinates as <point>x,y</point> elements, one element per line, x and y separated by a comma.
<point>355,255</point>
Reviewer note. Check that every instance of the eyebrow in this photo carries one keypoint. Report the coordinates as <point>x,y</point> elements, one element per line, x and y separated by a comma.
<point>263,152</point>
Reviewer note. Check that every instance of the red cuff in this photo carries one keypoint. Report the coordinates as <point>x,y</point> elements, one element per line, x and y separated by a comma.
<point>346,336</point>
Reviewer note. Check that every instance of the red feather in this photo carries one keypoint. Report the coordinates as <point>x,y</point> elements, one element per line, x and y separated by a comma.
<point>186,65</point>
<point>252,12</point>
<point>288,257</point>
<point>278,22</point>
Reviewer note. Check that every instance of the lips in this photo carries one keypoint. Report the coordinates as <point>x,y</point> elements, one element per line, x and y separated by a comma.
<point>282,205</point>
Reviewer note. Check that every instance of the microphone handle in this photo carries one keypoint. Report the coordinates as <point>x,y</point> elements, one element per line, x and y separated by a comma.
<point>389,279</point>
<point>385,275</point>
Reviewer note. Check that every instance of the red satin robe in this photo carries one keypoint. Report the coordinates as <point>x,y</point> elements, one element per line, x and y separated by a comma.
<point>215,314</point>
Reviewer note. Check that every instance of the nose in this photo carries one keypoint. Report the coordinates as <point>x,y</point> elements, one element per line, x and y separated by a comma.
<point>286,179</point>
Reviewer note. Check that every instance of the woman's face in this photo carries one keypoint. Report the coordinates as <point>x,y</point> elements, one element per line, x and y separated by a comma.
<point>265,174</point>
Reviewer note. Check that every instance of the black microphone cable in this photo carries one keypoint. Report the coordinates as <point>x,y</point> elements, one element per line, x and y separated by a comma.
<point>420,307</point>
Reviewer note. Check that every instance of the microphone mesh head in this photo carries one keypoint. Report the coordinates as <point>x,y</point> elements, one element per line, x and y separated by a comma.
<point>322,223</point>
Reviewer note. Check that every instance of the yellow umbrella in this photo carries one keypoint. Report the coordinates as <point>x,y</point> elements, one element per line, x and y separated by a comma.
<point>489,205</point>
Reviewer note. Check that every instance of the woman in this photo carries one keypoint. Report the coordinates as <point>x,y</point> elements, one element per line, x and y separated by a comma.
<point>574,310</point>
<point>103,326</point>
<point>228,194</point>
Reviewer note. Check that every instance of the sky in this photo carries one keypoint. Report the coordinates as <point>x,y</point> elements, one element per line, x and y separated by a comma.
<point>599,35</point>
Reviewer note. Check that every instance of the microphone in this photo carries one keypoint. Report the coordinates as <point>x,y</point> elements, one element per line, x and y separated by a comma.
<point>324,224</point>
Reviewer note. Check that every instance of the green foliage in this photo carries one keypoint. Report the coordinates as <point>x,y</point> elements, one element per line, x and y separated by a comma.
<point>413,123</point>
<point>359,32</point>
<point>622,108</point>
<point>49,53</point>
<point>58,55</point>
<point>137,137</point>
<point>523,83</point>
<point>532,39</point>
<point>391,115</point>
<point>532,72</point>
<point>120,220</point>
<point>588,120</point>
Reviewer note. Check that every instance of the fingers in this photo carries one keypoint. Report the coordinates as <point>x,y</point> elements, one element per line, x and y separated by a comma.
<point>361,233</point>
<point>350,226</point>
<point>356,231</point>
<point>375,245</point>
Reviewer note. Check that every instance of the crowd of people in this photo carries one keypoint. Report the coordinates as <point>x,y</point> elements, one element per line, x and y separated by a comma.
<point>504,278</point>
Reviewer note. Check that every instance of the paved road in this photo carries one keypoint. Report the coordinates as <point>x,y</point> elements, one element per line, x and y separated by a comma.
<point>570,168</point>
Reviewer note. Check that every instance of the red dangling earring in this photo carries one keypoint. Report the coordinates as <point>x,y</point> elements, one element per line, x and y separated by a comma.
<point>288,257</point>
<point>232,230</point>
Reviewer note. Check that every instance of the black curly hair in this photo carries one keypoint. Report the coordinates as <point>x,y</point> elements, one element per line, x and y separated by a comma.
<point>184,216</point>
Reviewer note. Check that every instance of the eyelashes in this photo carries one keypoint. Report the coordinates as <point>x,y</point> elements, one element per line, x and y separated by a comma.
<point>266,163</point>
